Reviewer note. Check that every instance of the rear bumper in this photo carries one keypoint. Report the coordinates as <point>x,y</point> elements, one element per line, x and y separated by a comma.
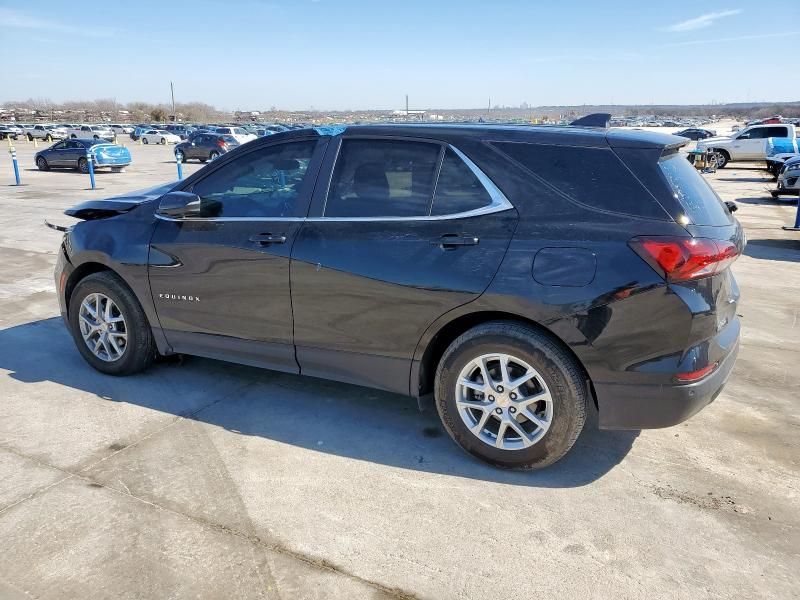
<point>636,406</point>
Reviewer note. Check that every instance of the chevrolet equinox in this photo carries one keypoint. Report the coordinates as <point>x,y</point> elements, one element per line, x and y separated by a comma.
<point>514,273</point>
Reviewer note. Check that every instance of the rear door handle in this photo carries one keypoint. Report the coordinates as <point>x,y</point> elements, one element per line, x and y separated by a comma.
<point>265,239</point>
<point>450,241</point>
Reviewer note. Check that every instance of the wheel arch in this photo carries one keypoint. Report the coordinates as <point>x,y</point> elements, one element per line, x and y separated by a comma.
<point>424,368</point>
<point>81,272</point>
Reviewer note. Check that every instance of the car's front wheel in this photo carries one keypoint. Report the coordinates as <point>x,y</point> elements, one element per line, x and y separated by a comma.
<point>164,141</point>
<point>723,159</point>
<point>144,140</point>
<point>49,138</point>
<point>41,162</point>
<point>109,326</point>
<point>511,396</point>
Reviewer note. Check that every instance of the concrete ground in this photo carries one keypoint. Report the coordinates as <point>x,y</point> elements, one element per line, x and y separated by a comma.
<point>206,479</point>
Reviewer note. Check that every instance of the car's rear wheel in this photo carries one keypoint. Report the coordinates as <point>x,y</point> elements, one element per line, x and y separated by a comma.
<point>109,326</point>
<point>202,160</point>
<point>83,165</point>
<point>723,159</point>
<point>144,140</point>
<point>164,141</point>
<point>49,138</point>
<point>73,136</point>
<point>30,137</point>
<point>213,155</point>
<point>41,162</point>
<point>510,395</point>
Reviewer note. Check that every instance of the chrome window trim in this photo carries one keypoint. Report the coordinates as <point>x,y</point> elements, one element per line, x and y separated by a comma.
<point>228,219</point>
<point>499,201</point>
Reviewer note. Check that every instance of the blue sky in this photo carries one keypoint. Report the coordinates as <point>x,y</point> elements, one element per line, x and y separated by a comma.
<point>351,54</point>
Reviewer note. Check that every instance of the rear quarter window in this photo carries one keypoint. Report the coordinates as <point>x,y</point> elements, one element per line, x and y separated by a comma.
<point>594,177</point>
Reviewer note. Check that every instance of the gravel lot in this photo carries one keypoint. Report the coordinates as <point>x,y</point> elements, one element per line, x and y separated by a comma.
<point>206,479</point>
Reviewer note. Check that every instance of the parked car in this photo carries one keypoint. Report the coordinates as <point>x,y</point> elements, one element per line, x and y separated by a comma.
<point>182,131</point>
<point>779,150</point>
<point>788,179</point>
<point>74,153</point>
<point>205,146</point>
<point>9,131</point>
<point>159,136</point>
<point>239,133</point>
<point>748,144</point>
<point>95,132</point>
<point>46,132</point>
<point>694,133</point>
<point>420,263</point>
<point>121,129</point>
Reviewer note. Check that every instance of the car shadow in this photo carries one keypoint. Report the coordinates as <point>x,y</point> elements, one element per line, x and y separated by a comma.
<point>350,421</point>
<point>767,199</point>
<point>774,249</point>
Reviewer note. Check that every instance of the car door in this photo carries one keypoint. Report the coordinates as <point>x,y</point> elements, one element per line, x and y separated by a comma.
<point>750,144</point>
<point>383,255</point>
<point>56,156</point>
<point>220,281</point>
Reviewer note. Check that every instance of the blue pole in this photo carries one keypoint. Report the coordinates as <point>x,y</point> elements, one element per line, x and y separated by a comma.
<point>180,168</point>
<point>91,167</point>
<point>13,152</point>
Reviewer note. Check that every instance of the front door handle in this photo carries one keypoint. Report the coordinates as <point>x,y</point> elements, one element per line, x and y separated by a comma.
<point>265,239</point>
<point>451,241</point>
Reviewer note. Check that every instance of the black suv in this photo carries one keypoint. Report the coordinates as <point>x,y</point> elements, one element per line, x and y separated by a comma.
<point>515,273</point>
<point>205,146</point>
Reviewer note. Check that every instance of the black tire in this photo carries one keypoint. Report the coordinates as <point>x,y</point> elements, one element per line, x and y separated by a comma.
<point>140,349</point>
<point>202,160</point>
<point>144,140</point>
<point>213,155</point>
<point>30,137</point>
<point>41,162</point>
<point>73,136</point>
<point>83,165</point>
<point>164,141</point>
<point>97,137</point>
<point>559,370</point>
<point>723,160</point>
<point>49,138</point>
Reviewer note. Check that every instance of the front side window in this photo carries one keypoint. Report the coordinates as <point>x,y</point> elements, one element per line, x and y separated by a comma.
<point>383,178</point>
<point>264,183</point>
<point>754,134</point>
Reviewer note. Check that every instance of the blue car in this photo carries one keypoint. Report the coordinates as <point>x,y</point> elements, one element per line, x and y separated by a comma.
<point>74,153</point>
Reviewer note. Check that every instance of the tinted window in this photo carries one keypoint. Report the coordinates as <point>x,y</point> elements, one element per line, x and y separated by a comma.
<point>754,134</point>
<point>592,176</point>
<point>382,178</point>
<point>777,132</point>
<point>699,201</point>
<point>264,183</point>
<point>458,189</point>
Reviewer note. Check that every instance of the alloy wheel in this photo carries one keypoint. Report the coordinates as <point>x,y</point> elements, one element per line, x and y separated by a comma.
<point>103,327</point>
<point>504,401</point>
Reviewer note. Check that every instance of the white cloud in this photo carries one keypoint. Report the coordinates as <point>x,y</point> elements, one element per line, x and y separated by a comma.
<point>702,21</point>
<point>15,19</point>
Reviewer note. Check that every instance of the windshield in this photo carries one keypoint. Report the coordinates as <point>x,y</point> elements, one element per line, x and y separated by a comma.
<point>700,203</point>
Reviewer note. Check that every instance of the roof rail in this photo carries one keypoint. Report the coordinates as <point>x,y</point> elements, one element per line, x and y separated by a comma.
<point>593,120</point>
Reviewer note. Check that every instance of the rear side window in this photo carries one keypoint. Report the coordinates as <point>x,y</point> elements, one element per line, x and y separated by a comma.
<point>458,189</point>
<point>777,132</point>
<point>382,178</point>
<point>700,203</point>
<point>595,177</point>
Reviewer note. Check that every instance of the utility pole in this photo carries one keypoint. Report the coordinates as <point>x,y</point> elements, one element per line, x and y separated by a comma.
<point>172,91</point>
<point>406,107</point>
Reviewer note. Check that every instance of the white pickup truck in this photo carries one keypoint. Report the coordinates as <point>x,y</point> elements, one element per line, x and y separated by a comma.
<point>748,144</point>
<point>97,132</point>
<point>45,132</point>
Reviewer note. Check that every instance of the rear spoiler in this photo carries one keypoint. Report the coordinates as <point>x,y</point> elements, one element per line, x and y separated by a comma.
<point>601,120</point>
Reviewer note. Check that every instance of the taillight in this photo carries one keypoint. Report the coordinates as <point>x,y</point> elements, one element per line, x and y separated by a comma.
<point>221,143</point>
<point>682,259</point>
<point>695,375</point>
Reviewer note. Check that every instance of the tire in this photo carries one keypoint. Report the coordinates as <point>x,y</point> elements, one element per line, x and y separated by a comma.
<point>202,160</point>
<point>144,140</point>
<point>83,165</point>
<point>41,162</point>
<point>96,137</point>
<point>30,137</point>
<point>73,136</point>
<point>724,159</point>
<point>139,350</point>
<point>164,141</point>
<point>213,155</point>
<point>49,138</point>
<point>557,372</point>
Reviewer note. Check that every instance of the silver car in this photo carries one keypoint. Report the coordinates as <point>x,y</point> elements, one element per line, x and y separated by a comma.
<point>789,178</point>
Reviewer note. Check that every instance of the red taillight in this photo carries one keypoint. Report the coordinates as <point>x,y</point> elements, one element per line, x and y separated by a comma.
<point>681,259</point>
<point>221,143</point>
<point>695,375</point>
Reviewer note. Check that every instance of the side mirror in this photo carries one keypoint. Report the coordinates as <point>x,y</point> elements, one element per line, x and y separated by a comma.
<point>179,205</point>
<point>732,207</point>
